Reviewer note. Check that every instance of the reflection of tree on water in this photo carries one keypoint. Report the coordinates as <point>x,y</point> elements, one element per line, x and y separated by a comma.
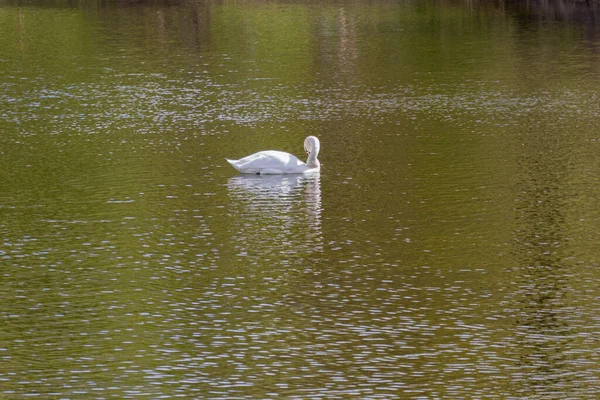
<point>584,13</point>
<point>20,30</point>
<point>540,299</point>
<point>275,216</point>
<point>541,326</point>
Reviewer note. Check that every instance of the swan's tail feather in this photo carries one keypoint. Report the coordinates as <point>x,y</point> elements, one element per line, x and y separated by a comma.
<point>232,162</point>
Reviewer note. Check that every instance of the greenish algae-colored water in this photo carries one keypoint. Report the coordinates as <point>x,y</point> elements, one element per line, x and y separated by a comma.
<point>448,249</point>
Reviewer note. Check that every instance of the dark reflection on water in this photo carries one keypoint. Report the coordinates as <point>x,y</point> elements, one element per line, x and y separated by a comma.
<point>582,13</point>
<point>547,273</point>
<point>448,249</point>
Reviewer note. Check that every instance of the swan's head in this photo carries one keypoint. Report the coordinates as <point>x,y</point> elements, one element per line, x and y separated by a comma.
<point>312,146</point>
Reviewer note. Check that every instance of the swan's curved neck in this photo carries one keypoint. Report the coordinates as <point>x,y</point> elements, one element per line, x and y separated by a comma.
<point>312,160</point>
<point>313,163</point>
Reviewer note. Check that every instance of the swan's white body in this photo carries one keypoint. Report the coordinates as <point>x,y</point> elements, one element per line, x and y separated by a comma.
<point>271,162</point>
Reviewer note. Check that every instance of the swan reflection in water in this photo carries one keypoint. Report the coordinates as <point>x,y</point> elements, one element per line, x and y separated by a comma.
<point>275,214</point>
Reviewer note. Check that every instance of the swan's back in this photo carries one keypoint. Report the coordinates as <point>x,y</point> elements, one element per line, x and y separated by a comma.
<point>269,162</point>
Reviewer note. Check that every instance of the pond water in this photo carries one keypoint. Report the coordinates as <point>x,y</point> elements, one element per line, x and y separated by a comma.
<point>449,247</point>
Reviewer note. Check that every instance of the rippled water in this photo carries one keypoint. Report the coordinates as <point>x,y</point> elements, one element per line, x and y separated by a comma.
<point>448,249</point>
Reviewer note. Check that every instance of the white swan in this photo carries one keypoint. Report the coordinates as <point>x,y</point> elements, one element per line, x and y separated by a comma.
<point>271,162</point>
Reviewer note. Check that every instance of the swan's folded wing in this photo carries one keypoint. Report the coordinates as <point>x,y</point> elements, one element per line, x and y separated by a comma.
<point>270,162</point>
<point>271,159</point>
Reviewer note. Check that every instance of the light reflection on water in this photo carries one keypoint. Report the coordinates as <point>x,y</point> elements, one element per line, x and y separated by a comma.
<point>276,213</point>
<point>448,249</point>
